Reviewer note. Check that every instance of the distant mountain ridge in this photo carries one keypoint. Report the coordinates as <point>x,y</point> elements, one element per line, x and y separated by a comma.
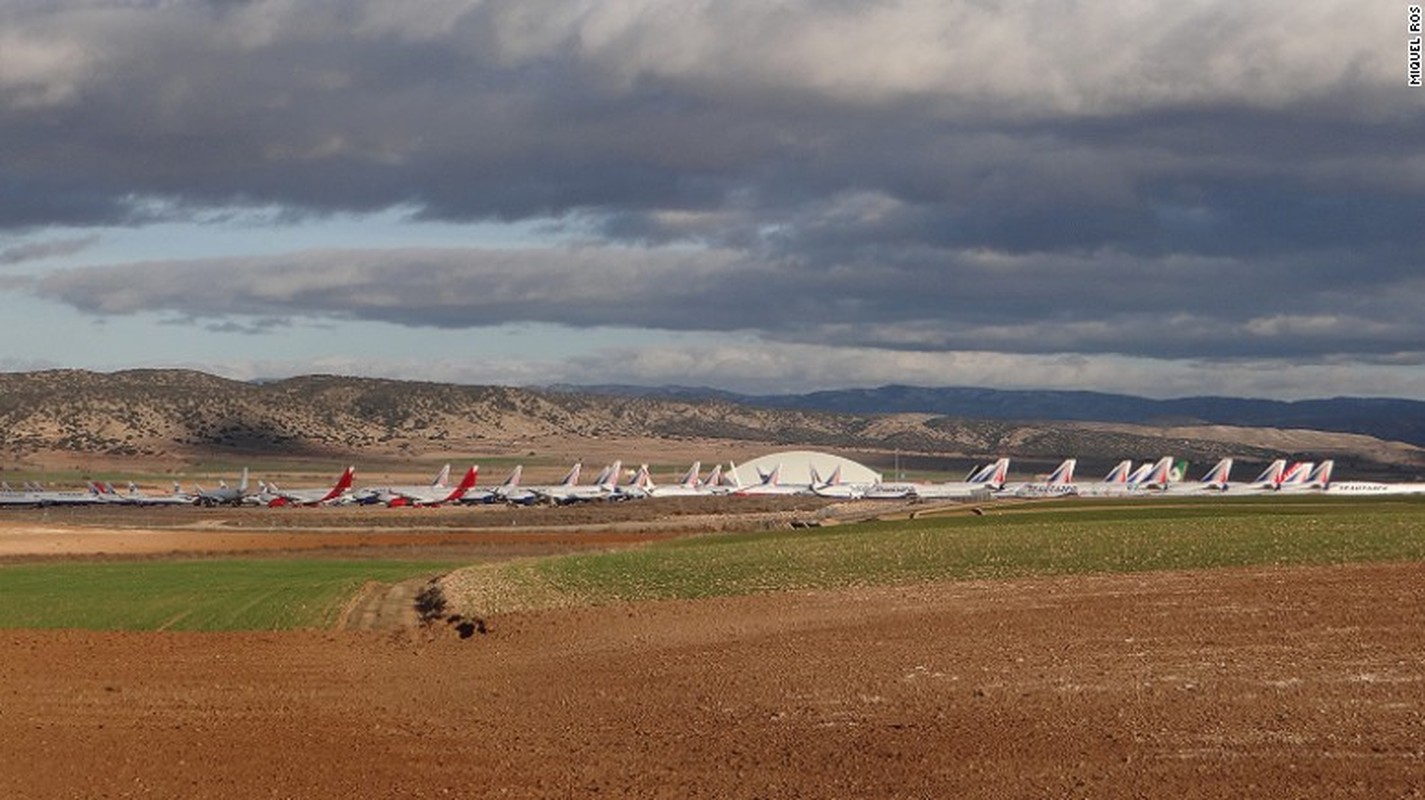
<point>1385,418</point>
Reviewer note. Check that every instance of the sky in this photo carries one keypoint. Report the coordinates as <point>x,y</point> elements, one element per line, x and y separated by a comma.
<point>1158,198</point>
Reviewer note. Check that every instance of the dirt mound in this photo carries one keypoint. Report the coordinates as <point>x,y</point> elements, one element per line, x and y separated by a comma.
<point>1262,682</point>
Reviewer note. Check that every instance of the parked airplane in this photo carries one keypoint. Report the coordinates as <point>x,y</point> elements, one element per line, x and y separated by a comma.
<point>385,494</point>
<point>1158,477</point>
<point>435,495</point>
<point>135,497</point>
<point>1295,475</point>
<point>224,495</point>
<point>637,487</point>
<point>1215,481</point>
<point>1120,481</point>
<point>771,484</point>
<point>1268,481</point>
<point>687,485</point>
<point>1314,479</point>
<point>512,492</point>
<point>643,485</point>
<point>718,482</point>
<point>980,484</point>
<point>1370,488</point>
<point>105,493</point>
<point>508,490</point>
<point>835,487</point>
<point>1060,483</point>
<point>312,497</point>
<point>572,492</point>
<point>35,495</point>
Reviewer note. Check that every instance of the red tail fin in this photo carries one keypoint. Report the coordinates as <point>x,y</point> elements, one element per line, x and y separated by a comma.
<point>466,484</point>
<point>342,484</point>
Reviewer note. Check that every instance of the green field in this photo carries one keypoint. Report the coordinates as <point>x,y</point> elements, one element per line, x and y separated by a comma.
<point>1008,541</point>
<point>208,595</point>
<point>1063,538</point>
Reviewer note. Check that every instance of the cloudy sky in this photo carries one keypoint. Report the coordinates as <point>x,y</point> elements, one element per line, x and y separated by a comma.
<point>1163,198</point>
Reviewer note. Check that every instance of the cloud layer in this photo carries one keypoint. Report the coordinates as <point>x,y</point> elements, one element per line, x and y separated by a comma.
<point>1179,307</point>
<point>1211,180</point>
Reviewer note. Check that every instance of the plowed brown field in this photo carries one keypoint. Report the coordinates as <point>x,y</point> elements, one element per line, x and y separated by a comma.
<point>1303,682</point>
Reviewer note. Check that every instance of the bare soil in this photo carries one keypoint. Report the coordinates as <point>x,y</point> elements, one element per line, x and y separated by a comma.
<point>1300,682</point>
<point>1304,682</point>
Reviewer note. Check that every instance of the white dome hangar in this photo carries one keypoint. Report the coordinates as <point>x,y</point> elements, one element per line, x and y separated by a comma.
<point>797,465</point>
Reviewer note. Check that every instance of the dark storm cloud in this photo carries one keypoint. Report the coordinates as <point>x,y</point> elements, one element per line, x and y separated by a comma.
<point>1168,180</point>
<point>940,300</point>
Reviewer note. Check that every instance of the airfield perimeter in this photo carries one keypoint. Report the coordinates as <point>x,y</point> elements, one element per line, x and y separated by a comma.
<point>1252,681</point>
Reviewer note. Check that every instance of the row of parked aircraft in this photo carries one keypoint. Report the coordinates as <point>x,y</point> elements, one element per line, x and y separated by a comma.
<point>1164,477</point>
<point>1154,478</point>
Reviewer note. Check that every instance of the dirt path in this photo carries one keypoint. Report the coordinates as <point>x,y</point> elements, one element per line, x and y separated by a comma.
<point>383,607</point>
<point>1303,682</point>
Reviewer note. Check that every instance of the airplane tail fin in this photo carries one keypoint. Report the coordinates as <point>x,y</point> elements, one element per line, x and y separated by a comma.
<point>611,480</point>
<point>1119,474</point>
<point>442,478</point>
<point>1064,474</point>
<point>1179,471</point>
<point>1272,475</point>
<point>1160,474</point>
<point>690,478</point>
<point>1220,474</point>
<point>603,477</point>
<point>343,484</point>
<point>1140,474</point>
<point>714,477</point>
<point>981,474</point>
<point>466,484</point>
<point>1321,476</point>
<point>514,479</point>
<point>736,478</point>
<point>994,475</point>
<point>571,478</point>
<point>242,485</point>
<point>1297,473</point>
<point>816,476</point>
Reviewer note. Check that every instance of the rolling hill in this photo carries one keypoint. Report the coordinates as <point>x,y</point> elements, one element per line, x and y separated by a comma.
<point>179,415</point>
<point>1385,418</point>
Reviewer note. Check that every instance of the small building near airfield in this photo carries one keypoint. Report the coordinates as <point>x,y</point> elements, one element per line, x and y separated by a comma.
<point>797,465</point>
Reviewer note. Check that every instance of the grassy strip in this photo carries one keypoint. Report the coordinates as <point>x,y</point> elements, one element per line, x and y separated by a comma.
<point>207,595</point>
<point>1052,540</point>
